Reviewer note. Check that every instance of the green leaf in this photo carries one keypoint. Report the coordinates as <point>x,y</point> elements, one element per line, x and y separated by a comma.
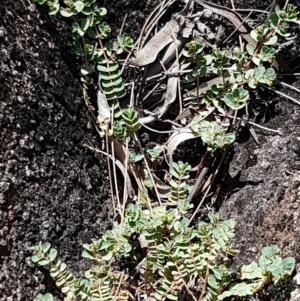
<point>101,11</point>
<point>271,41</point>
<point>217,272</point>
<point>253,83</point>
<point>54,273</point>
<point>77,31</point>
<point>40,1</point>
<point>66,13</point>
<point>281,13</point>
<point>91,33</point>
<point>159,211</point>
<point>125,42</point>
<point>254,35</point>
<point>111,83</point>
<point>53,9</point>
<point>85,23</point>
<point>190,77</point>
<point>236,99</point>
<point>35,258</point>
<point>43,262</point>
<point>114,67</point>
<point>46,297</point>
<point>273,20</point>
<point>269,76</point>
<point>45,247</point>
<point>84,71</point>
<point>292,13</point>
<point>111,95</point>
<point>60,283</point>
<point>109,76</point>
<point>251,271</point>
<point>184,206</point>
<point>104,29</point>
<point>76,47</point>
<point>212,282</point>
<point>208,58</point>
<point>103,68</point>
<point>108,256</point>
<point>62,267</point>
<point>192,49</point>
<point>288,265</point>
<point>175,173</point>
<point>256,61</point>
<point>172,297</point>
<point>270,251</point>
<point>267,54</point>
<point>249,73</point>
<point>260,71</point>
<point>134,157</point>
<point>240,289</point>
<point>77,7</point>
<point>275,268</point>
<point>88,254</point>
<point>65,289</point>
<point>148,182</point>
<point>156,152</point>
<point>52,254</point>
<point>87,11</point>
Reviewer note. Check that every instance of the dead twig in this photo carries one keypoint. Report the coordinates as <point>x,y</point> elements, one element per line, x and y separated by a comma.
<point>284,95</point>
<point>109,170</point>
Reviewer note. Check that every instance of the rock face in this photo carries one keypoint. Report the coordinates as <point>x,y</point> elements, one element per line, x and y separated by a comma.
<point>52,187</point>
<point>267,207</point>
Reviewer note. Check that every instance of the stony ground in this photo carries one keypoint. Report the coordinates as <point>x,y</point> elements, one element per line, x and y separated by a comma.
<point>52,188</point>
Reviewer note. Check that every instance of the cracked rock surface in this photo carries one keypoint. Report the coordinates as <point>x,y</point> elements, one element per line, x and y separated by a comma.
<point>51,187</point>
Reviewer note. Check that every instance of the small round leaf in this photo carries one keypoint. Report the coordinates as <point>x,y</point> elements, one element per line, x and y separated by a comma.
<point>52,254</point>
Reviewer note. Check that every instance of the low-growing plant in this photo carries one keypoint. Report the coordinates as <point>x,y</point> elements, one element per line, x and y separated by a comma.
<point>155,153</point>
<point>90,33</point>
<point>177,259</point>
<point>179,187</point>
<point>46,297</point>
<point>213,134</point>
<point>249,69</point>
<point>129,124</point>
<point>168,257</point>
<point>171,256</point>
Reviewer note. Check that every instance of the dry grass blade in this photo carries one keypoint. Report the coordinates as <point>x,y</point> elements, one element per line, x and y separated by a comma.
<point>168,55</point>
<point>177,138</point>
<point>129,189</point>
<point>170,97</point>
<point>206,86</point>
<point>209,183</point>
<point>152,21</point>
<point>149,53</point>
<point>288,86</point>
<point>164,190</point>
<point>296,101</point>
<point>148,23</point>
<point>165,36</point>
<point>103,107</point>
